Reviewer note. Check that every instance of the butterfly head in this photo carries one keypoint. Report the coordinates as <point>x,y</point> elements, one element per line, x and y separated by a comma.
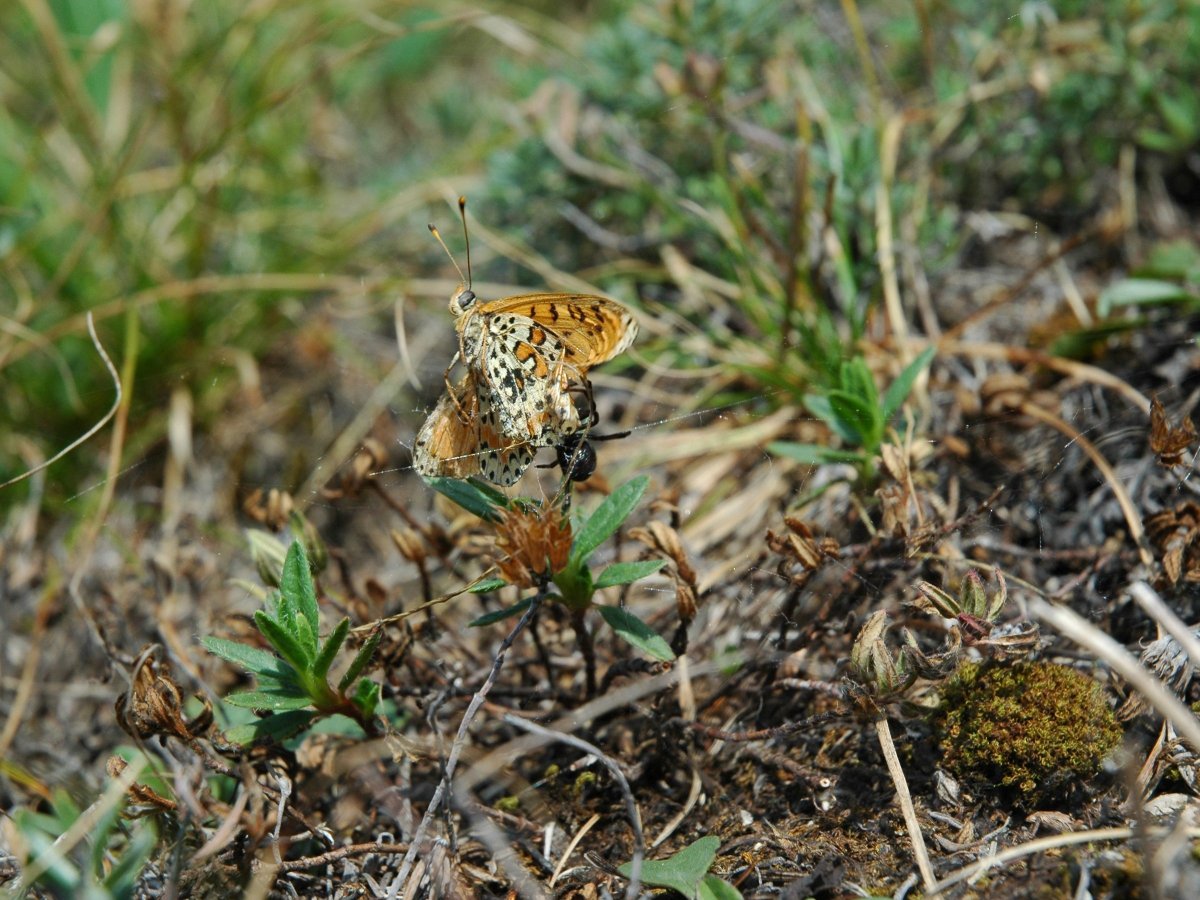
<point>462,300</point>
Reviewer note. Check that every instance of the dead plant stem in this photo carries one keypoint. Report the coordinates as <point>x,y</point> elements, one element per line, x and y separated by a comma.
<point>904,798</point>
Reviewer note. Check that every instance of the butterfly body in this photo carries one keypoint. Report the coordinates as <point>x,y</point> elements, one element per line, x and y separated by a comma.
<point>527,349</point>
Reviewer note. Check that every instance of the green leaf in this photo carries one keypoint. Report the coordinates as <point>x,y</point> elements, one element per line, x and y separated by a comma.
<point>268,700</point>
<point>858,382</point>
<point>296,585</point>
<point>626,572</point>
<point>682,872</point>
<point>1153,139</point>
<point>361,659</point>
<point>499,615</point>
<point>306,638</point>
<point>1180,114</point>
<point>366,697</point>
<point>856,418</point>
<point>636,632</point>
<point>491,584</point>
<point>607,518</point>
<point>813,454</point>
<point>1172,260</point>
<point>714,888</point>
<point>277,727</point>
<point>1081,342</point>
<point>902,386</point>
<point>286,645</point>
<point>252,659</point>
<point>819,406</point>
<point>332,644</point>
<point>467,494</point>
<point>1139,292</point>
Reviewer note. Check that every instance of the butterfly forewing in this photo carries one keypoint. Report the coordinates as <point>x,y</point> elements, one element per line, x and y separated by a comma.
<point>591,329</point>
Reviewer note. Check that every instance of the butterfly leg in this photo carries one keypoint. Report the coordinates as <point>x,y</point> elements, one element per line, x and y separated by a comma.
<point>463,416</point>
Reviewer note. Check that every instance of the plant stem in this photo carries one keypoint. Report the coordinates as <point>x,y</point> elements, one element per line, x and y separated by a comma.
<point>584,636</point>
<point>904,798</point>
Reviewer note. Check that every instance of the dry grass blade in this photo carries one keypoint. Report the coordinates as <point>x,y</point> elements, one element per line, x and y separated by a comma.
<point>104,420</point>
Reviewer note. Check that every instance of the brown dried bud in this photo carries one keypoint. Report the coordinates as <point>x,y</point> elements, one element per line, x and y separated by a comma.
<point>1169,442</point>
<point>408,542</point>
<point>1175,533</point>
<point>876,670</point>
<point>153,705</point>
<point>273,512</point>
<point>370,458</point>
<point>143,800</point>
<point>532,545</point>
<point>662,538</point>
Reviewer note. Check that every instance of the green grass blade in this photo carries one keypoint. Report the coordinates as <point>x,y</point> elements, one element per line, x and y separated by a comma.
<point>899,389</point>
<point>627,572</point>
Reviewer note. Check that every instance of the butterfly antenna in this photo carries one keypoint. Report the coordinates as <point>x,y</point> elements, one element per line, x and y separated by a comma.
<point>462,214</point>
<point>438,236</point>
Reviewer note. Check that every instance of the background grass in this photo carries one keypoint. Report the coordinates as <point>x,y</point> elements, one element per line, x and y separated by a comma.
<point>201,176</point>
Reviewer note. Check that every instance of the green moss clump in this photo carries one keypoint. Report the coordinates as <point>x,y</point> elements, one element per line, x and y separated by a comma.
<point>1035,730</point>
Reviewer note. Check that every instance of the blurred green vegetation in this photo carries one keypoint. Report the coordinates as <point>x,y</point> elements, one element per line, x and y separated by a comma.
<point>201,175</point>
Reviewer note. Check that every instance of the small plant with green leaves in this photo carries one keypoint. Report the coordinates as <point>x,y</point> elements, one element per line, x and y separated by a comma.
<point>854,411</point>
<point>109,869</point>
<point>687,872</point>
<point>1170,276</point>
<point>539,548</point>
<point>976,614</point>
<point>293,682</point>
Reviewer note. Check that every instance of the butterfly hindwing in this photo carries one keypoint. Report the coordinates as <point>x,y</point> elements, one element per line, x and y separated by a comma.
<point>461,439</point>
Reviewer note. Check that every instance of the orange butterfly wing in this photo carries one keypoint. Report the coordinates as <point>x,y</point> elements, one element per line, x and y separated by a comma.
<point>592,329</point>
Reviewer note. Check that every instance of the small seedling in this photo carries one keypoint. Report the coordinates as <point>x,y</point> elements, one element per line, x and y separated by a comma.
<point>539,555</point>
<point>854,411</point>
<point>687,872</point>
<point>294,685</point>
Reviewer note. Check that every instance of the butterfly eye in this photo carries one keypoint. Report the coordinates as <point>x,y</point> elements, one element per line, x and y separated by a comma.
<point>465,298</point>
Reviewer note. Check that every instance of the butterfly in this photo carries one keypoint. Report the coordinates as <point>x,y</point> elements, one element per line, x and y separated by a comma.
<point>525,350</point>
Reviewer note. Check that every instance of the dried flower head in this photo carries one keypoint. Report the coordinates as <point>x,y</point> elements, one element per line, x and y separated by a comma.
<point>532,544</point>
<point>1176,534</point>
<point>153,705</point>
<point>1169,442</point>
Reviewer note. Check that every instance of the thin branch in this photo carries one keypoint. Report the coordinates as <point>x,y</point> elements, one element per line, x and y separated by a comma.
<point>460,740</point>
<point>904,798</point>
<point>324,859</point>
<point>1152,604</point>
<point>1050,842</point>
